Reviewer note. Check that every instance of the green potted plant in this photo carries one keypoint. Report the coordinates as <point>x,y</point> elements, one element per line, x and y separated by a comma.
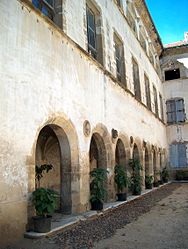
<point>165,175</point>
<point>136,180</point>
<point>156,182</point>
<point>149,181</point>
<point>120,178</point>
<point>97,188</point>
<point>44,201</point>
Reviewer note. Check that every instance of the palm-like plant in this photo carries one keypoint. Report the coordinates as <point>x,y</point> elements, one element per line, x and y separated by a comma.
<point>136,179</point>
<point>120,178</point>
<point>97,189</point>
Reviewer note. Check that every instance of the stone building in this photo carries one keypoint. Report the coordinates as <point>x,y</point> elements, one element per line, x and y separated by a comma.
<point>174,63</point>
<point>80,87</point>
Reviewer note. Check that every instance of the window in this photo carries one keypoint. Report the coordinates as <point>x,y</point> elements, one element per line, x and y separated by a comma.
<point>52,9</point>
<point>178,155</point>
<point>175,111</point>
<point>131,21</point>
<point>45,6</point>
<point>119,58</point>
<point>161,106</point>
<point>155,101</point>
<point>94,38</point>
<point>91,33</point>
<point>136,80</point>
<point>143,42</point>
<point>172,74</point>
<point>147,92</point>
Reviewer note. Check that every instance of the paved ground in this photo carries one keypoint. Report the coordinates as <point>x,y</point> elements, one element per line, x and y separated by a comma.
<point>164,227</point>
<point>157,220</point>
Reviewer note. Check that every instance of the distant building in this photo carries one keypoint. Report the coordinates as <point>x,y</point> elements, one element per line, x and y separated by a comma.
<point>174,65</point>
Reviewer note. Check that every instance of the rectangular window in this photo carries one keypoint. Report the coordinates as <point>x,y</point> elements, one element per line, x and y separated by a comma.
<point>46,7</point>
<point>175,111</point>
<point>178,155</point>
<point>143,42</point>
<point>94,32</point>
<point>91,33</point>
<point>172,74</point>
<point>147,92</point>
<point>136,80</point>
<point>119,58</point>
<point>155,101</point>
<point>161,107</point>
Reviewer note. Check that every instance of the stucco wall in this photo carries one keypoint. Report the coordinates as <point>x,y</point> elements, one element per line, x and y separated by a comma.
<point>47,79</point>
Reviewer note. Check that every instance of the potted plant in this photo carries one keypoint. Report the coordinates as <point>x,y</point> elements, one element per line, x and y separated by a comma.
<point>39,171</point>
<point>156,182</point>
<point>149,182</point>
<point>120,178</point>
<point>136,180</point>
<point>165,175</point>
<point>44,201</point>
<point>97,189</point>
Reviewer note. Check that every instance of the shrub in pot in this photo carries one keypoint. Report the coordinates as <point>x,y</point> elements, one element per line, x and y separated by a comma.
<point>135,184</point>
<point>149,182</point>
<point>156,182</point>
<point>97,188</point>
<point>165,175</point>
<point>45,203</point>
<point>120,178</point>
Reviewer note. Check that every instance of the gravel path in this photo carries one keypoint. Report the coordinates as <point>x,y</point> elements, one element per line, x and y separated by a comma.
<point>164,227</point>
<point>87,234</point>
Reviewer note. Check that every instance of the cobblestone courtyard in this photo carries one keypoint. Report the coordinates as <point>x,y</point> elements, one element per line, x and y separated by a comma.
<point>156,220</point>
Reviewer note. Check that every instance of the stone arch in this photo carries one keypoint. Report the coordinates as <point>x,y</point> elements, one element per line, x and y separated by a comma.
<point>120,154</point>
<point>97,152</point>
<point>53,148</point>
<point>137,149</point>
<point>147,162</point>
<point>103,146</point>
<point>63,132</point>
<point>155,168</point>
<point>136,153</point>
<point>125,140</point>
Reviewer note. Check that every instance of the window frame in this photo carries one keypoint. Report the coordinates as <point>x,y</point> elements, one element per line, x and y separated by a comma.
<point>178,155</point>
<point>155,101</point>
<point>136,80</point>
<point>91,49</point>
<point>49,8</point>
<point>175,110</point>
<point>147,91</point>
<point>119,58</point>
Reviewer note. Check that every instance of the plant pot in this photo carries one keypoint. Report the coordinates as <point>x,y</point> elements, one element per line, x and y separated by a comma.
<point>42,224</point>
<point>149,186</point>
<point>96,205</point>
<point>161,182</point>
<point>136,192</point>
<point>165,180</point>
<point>122,197</point>
<point>156,184</point>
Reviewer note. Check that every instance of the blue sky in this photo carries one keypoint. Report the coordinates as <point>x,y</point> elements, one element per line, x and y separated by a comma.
<point>170,18</point>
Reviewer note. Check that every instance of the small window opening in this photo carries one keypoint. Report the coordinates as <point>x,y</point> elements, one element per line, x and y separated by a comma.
<point>172,74</point>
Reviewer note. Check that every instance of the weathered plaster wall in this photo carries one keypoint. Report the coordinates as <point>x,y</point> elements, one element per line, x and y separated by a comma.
<point>47,79</point>
<point>177,88</point>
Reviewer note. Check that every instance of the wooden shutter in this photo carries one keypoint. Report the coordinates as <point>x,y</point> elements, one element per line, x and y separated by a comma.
<point>173,153</point>
<point>180,113</point>
<point>182,157</point>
